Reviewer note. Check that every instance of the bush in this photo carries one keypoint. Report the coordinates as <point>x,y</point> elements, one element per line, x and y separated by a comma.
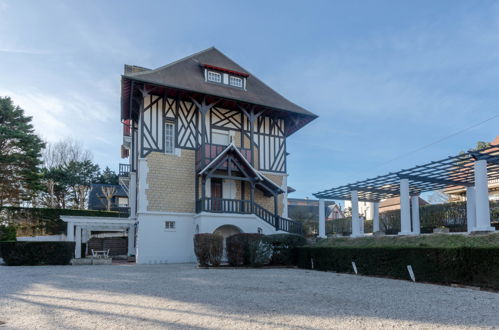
<point>468,266</point>
<point>208,249</point>
<point>37,253</point>
<point>259,252</point>
<point>283,247</point>
<point>7,233</point>
<point>238,248</point>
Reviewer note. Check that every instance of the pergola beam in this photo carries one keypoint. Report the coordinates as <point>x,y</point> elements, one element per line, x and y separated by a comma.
<point>491,159</point>
<point>375,190</point>
<point>435,180</point>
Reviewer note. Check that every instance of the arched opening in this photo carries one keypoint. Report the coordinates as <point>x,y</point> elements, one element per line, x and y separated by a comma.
<point>226,231</point>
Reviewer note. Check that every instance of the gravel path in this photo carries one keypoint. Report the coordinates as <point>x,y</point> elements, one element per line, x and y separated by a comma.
<point>182,296</point>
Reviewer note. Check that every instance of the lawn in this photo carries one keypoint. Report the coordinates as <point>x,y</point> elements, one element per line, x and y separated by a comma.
<point>441,240</point>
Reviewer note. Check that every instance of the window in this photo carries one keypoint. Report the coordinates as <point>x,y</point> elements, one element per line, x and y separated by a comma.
<point>170,225</point>
<point>236,81</point>
<point>214,76</point>
<point>169,138</point>
<point>221,138</point>
<point>122,201</point>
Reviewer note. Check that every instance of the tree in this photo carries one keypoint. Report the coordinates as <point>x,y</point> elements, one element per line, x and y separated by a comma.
<point>20,152</point>
<point>58,154</point>
<point>108,176</point>
<point>108,192</point>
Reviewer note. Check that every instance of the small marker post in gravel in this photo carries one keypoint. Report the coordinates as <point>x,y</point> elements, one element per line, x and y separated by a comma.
<point>411,273</point>
<point>354,266</point>
<point>312,263</point>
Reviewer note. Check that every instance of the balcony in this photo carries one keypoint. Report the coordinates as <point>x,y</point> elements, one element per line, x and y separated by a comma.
<point>124,170</point>
<point>207,152</point>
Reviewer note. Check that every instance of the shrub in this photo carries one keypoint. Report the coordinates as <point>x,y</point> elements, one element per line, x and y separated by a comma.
<point>7,233</point>
<point>37,253</point>
<point>208,249</point>
<point>259,251</point>
<point>283,247</point>
<point>468,266</point>
<point>238,248</point>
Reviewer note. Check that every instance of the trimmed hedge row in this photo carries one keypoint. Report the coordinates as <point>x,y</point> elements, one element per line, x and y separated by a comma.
<point>37,253</point>
<point>7,233</point>
<point>467,266</point>
<point>44,221</point>
<point>248,249</point>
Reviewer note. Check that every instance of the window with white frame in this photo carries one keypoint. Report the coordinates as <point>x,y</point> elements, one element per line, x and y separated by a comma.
<point>122,201</point>
<point>236,81</point>
<point>169,137</point>
<point>170,225</point>
<point>214,76</point>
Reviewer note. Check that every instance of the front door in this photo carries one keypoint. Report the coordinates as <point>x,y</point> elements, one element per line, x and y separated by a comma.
<point>216,194</point>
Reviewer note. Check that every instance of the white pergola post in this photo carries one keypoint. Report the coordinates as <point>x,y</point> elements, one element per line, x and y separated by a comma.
<point>355,214</point>
<point>416,224</point>
<point>78,242</point>
<point>375,217</point>
<point>405,208</point>
<point>482,197</point>
<point>131,240</point>
<point>70,235</point>
<point>322,218</point>
<point>470,209</point>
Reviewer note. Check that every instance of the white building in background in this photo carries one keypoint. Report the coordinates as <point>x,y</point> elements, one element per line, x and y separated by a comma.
<point>366,209</point>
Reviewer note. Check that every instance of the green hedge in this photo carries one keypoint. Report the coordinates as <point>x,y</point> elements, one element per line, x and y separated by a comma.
<point>208,249</point>
<point>467,266</point>
<point>7,233</point>
<point>37,253</point>
<point>44,221</point>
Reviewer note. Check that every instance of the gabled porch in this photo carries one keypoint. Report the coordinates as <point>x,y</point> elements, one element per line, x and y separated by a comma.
<point>230,165</point>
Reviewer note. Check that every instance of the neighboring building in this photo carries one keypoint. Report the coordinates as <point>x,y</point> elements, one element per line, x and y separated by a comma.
<point>206,142</point>
<point>308,209</point>
<point>458,194</point>
<point>366,209</point>
<point>98,201</point>
<point>392,204</point>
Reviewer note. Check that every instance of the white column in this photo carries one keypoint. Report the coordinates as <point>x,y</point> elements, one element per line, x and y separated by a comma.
<point>78,242</point>
<point>405,208</point>
<point>70,236</point>
<point>132,194</point>
<point>131,240</point>
<point>416,224</point>
<point>376,217</point>
<point>355,215</point>
<point>482,197</point>
<point>470,209</point>
<point>322,219</point>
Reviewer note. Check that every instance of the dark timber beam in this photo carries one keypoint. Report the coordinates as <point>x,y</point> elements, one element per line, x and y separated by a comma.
<point>435,180</point>
<point>492,159</point>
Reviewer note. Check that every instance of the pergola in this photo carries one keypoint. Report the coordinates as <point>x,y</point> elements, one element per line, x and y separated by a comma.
<point>472,169</point>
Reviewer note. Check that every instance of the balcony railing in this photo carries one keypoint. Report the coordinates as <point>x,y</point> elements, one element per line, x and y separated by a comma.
<point>207,152</point>
<point>124,170</point>
<point>223,205</point>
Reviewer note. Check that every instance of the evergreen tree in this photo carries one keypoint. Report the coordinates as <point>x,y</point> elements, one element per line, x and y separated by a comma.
<point>20,152</point>
<point>108,176</point>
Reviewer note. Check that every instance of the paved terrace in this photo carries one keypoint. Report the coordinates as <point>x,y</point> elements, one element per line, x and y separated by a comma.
<point>182,296</point>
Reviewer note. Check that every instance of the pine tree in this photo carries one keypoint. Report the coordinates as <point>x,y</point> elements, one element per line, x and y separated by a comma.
<point>20,154</point>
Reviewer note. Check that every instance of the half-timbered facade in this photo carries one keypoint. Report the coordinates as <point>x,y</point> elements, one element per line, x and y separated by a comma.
<point>206,143</point>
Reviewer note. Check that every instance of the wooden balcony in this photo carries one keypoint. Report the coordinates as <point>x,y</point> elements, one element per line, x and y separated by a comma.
<point>207,152</point>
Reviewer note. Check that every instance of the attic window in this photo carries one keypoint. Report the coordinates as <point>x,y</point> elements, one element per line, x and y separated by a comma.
<point>235,81</point>
<point>214,76</point>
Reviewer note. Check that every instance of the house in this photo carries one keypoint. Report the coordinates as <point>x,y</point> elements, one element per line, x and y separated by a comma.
<point>392,204</point>
<point>335,212</point>
<point>458,194</point>
<point>366,209</point>
<point>118,197</point>
<point>206,148</point>
<point>308,209</point>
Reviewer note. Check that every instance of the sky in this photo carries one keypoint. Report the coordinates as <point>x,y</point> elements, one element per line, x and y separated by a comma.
<point>386,78</point>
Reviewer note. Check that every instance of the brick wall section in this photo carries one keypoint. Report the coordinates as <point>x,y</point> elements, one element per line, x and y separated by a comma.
<point>268,202</point>
<point>171,182</point>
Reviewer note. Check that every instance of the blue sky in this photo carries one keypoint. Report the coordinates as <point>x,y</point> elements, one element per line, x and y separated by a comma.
<point>385,77</point>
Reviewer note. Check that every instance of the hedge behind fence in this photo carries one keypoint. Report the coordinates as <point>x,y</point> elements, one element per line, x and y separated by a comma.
<point>43,221</point>
<point>467,266</point>
<point>451,215</point>
<point>37,253</point>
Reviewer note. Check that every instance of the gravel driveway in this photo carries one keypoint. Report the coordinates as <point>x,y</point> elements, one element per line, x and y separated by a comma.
<point>182,296</point>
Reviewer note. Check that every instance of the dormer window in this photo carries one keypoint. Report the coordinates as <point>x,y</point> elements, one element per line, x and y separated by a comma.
<point>236,81</point>
<point>231,78</point>
<point>214,76</point>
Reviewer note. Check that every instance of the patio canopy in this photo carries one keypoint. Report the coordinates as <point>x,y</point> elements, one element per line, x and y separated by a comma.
<point>448,172</point>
